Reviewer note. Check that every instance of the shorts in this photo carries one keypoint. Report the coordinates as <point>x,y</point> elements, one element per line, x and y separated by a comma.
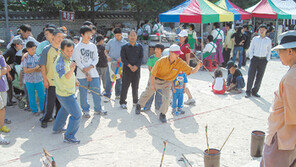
<point>3,99</point>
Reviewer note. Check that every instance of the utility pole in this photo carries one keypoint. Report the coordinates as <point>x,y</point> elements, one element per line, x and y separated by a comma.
<point>6,22</point>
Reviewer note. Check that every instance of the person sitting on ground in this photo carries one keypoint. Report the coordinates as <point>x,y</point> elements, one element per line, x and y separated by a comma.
<point>65,80</point>
<point>85,54</point>
<point>209,53</point>
<point>235,80</point>
<point>178,88</point>
<point>219,85</point>
<point>33,78</point>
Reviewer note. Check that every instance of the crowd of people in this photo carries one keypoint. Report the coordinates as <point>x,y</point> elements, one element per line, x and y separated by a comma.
<point>57,64</point>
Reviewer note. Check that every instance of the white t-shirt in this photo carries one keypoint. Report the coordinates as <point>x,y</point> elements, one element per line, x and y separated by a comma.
<point>209,47</point>
<point>216,33</point>
<point>193,34</point>
<point>218,84</point>
<point>85,55</point>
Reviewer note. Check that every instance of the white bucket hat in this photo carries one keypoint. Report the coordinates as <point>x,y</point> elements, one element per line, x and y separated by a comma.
<point>286,40</point>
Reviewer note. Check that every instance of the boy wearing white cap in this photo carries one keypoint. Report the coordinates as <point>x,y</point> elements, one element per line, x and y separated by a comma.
<point>163,73</point>
<point>281,137</point>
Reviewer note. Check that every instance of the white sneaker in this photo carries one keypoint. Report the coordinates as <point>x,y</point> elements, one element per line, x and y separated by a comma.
<point>123,106</point>
<point>190,102</point>
<point>86,115</point>
<point>3,141</point>
<point>102,112</point>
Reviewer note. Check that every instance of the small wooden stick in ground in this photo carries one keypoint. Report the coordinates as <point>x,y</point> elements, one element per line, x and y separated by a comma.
<point>186,160</point>
<point>165,143</point>
<point>226,140</point>
<point>207,139</point>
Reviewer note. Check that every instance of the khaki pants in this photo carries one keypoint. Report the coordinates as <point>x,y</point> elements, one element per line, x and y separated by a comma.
<point>273,157</point>
<point>165,87</point>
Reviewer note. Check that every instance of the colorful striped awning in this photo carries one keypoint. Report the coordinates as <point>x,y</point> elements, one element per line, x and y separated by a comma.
<point>196,11</point>
<point>267,9</point>
<point>239,14</point>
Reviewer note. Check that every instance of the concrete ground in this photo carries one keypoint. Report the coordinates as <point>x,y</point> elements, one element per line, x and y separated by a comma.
<point>124,139</point>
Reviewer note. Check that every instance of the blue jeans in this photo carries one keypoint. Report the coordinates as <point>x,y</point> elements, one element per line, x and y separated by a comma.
<point>178,96</point>
<point>240,83</point>
<point>109,84</point>
<point>70,106</point>
<point>93,85</point>
<point>239,49</point>
<point>31,87</point>
<point>158,100</point>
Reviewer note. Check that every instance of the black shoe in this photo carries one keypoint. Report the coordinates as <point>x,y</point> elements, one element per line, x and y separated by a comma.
<point>162,118</point>
<point>44,124</point>
<point>256,95</point>
<point>138,109</point>
<point>11,103</point>
<point>248,95</point>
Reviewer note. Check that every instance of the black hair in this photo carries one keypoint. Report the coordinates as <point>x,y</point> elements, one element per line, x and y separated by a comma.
<point>50,30</point>
<point>94,27</point>
<point>239,30</point>
<point>160,46</point>
<point>24,51</point>
<point>142,24</point>
<point>192,26</point>
<point>99,38</point>
<point>30,44</point>
<point>117,31</point>
<point>87,23</point>
<point>217,25</point>
<point>76,37</point>
<point>66,43</point>
<point>56,31</point>
<point>84,29</point>
<point>61,29</point>
<point>228,25</point>
<point>210,38</point>
<point>218,73</point>
<point>246,26</point>
<point>25,27</point>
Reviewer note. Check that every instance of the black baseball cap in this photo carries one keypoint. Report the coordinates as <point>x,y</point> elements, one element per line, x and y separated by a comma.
<point>230,64</point>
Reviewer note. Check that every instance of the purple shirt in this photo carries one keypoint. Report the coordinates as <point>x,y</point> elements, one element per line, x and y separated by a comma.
<point>2,78</point>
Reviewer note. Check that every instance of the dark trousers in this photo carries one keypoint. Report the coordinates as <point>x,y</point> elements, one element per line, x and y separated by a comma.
<point>257,67</point>
<point>129,78</point>
<point>244,57</point>
<point>226,56</point>
<point>9,92</point>
<point>50,101</point>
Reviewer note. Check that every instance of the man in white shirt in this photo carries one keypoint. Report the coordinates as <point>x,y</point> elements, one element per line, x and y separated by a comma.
<point>218,35</point>
<point>228,45</point>
<point>85,55</point>
<point>25,36</point>
<point>259,52</point>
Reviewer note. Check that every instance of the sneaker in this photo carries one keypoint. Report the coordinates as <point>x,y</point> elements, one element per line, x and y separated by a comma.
<point>5,129</point>
<point>44,124</point>
<point>248,94</point>
<point>63,130</point>
<point>190,102</point>
<point>3,141</point>
<point>175,112</point>
<point>106,100</point>
<point>162,118</point>
<point>138,109</point>
<point>50,120</point>
<point>181,111</point>
<point>117,97</point>
<point>123,106</point>
<point>7,121</point>
<point>73,140</point>
<point>36,114</point>
<point>102,112</point>
<point>86,115</point>
<point>146,109</point>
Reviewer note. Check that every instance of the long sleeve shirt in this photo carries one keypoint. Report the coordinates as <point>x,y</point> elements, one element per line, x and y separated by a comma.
<point>229,43</point>
<point>132,55</point>
<point>260,47</point>
<point>86,55</point>
<point>19,53</point>
<point>282,118</point>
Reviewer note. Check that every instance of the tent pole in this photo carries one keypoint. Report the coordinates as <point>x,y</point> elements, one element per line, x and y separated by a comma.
<point>276,29</point>
<point>160,34</point>
<point>201,34</point>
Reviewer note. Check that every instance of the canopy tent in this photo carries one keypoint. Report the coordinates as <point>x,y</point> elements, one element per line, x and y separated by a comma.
<point>287,6</point>
<point>267,9</point>
<point>196,11</point>
<point>239,14</point>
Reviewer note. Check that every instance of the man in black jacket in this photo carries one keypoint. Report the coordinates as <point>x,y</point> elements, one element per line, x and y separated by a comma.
<point>248,36</point>
<point>131,56</point>
<point>10,58</point>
